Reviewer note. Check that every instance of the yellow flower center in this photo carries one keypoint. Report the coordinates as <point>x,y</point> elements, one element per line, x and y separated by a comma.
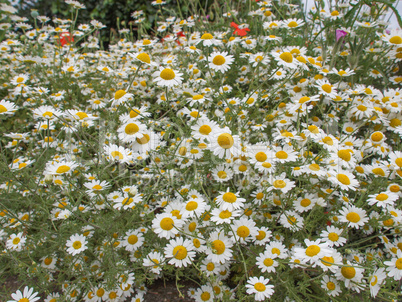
<point>166,224</point>
<point>146,42</point>
<point>131,129</point>
<point>167,74</point>
<point>266,165</point>
<point>63,169</point>
<point>348,272</point>
<point>281,155</point>
<point>23,300</point>
<point>331,285</point>
<point>205,129</point>
<point>377,136</point>
<point>81,115</point>
<point>276,251</point>
<point>206,36</point>
<point>261,235</point>
<point>192,226</point>
<point>398,264</point>
<point>218,246</point>
<point>100,292</point>
<point>327,88</point>
<point>210,266</point>
<point>180,252</point>
<point>261,156</point>
<point>191,206</point>
<point>20,79</point>
<point>312,250</point>
<point>225,214</point>
<point>292,24</point>
<point>222,174</point>
<point>287,57</point>
<point>225,140</point>
<point>243,231</point>
<point>229,197</point>
<point>305,202</point>
<point>326,260</point>
<point>268,262</point>
<point>3,109</point>
<point>115,154</point>
<point>345,155</point>
<point>333,236</point>
<point>143,140</point>
<point>16,240</point>
<point>77,245</point>
<point>353,217</point>
<point>97,187</point>
<point>398,162</point>
<point>144,57</point>
<point>381,197</point>
<point>259,287</point>
<point>219,60</point>
<point>279,183</point>
<point>119,94</point>
<point>344,179</point>
<point>395,40</point>
<point>132,239</point>
<point>205,296</point>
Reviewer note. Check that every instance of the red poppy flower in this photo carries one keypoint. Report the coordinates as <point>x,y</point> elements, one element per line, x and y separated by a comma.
<point>239,31</point>
<point>66,38</point>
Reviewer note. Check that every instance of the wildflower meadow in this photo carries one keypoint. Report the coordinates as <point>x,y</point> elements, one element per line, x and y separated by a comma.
<point>252,148</point>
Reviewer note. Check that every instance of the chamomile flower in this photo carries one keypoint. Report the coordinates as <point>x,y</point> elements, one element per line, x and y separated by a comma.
<point>224,144</point>
<point>133,240</point>
<point>266,262</point>
<point>375,281</point>
<point>154,261</point>
<point>350,274</point>
<point>131,131</point>
<point>332,235</point>
<point>76,244</point>
<point>7,107</point>
<point>204,294</point>
<point>118,153</point>
<point>354,216</point>
<point>26,296</point>
<point>219,251</point>
<point>220,61</point>
<point>244,230</point>
<point>167,77</point>
<point>383,199</point>
<point>259,287</point>
<point>229,201</point>
<point>326,88</point>
<point>344,179</point>
<point>313,252</point>
<point>16,242</point>
<point>194,207</point>
<point>281,183</point>
<point>331,286</point>
<point>220,216</point>
<point>394,267</point>
<point>59,168</point>
<point>181,251</point>
<point>222,173</point>
<point>166,225</point>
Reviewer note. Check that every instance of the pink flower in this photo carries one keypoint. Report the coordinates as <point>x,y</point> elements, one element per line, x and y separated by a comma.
<point>339,33</point>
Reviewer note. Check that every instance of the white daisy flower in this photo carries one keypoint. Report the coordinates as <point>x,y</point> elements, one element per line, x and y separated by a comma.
<point>7,107</point>
<point>26,296</point>
<point>354,216</point>
<point>220,61</point>
<point>180,251</point>
<point>167,77</point>
<point>259,287</point>
<point>219,251</point>
<point>165,225</point>
<point>76,244</point>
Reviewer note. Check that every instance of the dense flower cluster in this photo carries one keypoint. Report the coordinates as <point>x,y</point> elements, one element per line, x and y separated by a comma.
<point>264,162</point>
